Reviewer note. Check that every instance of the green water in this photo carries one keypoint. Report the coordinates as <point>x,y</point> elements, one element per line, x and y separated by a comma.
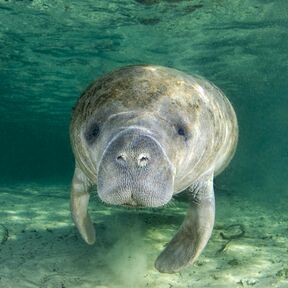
<point>51,50</point>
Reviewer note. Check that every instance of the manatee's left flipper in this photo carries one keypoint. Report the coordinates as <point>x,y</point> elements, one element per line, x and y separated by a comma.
<point>194,232</point>
<point>79,205</point>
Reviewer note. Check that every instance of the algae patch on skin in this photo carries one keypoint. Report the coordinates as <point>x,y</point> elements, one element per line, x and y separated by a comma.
<point>283,273</point>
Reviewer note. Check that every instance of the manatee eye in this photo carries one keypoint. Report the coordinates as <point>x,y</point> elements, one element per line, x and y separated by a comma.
<point>181,131</point>
<point>92,133</point>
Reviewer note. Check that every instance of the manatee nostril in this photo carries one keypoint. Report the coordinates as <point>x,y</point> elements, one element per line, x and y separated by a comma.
<point>143,160</point>
<point>121,158</point>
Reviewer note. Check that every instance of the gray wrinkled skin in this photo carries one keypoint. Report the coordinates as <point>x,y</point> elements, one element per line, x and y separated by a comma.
<point>145,133</point>
<point>134,154</point>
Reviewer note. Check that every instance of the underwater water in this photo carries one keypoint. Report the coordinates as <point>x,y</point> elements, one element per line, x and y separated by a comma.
<point>51,50</point>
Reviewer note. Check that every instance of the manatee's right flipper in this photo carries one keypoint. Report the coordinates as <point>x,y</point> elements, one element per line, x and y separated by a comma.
<point>79,206</point>
<point>194,232</point>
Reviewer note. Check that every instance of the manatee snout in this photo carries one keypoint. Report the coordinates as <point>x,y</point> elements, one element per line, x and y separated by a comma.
<point>135,171</point>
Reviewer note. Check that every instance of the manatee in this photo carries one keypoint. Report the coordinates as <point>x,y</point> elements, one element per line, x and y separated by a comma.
<point>142,134</point>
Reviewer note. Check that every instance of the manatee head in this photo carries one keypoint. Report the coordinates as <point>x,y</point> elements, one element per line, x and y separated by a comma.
<point>131,160</point>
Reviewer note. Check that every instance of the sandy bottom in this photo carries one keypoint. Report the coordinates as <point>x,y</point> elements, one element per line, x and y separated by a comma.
<point>40,247</point>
